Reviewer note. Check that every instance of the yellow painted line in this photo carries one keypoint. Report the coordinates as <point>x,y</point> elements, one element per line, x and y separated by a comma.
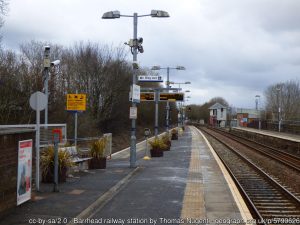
<point>245,213</point>
<point>193,201</point>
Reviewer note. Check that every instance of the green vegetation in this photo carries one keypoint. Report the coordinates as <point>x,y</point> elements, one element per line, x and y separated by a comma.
<point>98,147</point>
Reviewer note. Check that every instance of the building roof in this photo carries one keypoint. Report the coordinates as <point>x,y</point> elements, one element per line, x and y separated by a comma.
<point>217,106</point>
<point>249,111</point>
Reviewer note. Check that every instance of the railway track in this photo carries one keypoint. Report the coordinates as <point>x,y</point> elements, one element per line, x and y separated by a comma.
<point>268,201</point>
<point>285,158</point>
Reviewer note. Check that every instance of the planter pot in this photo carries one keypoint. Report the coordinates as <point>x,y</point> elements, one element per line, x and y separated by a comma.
<point>174,136</point>
<point>49,176</point>
<point>156,153</point>
<point>96,163</point>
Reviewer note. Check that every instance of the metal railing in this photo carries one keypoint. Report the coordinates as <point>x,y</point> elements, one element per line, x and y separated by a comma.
<point>45,131</point>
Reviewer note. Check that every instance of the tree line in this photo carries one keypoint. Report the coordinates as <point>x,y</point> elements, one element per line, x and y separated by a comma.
<point>101,72</point>
<point>283,95</point>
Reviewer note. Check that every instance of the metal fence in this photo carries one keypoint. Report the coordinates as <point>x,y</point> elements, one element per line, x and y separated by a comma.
<point>287,126</point>
<point>45,131</point>
<point>84,144</point>
<point>46,136</point>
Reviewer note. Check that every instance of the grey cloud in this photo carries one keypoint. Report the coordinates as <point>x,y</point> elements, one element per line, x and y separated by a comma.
<point>230,48</point>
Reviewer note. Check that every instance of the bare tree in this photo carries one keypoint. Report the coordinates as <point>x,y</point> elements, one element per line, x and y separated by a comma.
<point>198,112</point>
<point>285,96</point>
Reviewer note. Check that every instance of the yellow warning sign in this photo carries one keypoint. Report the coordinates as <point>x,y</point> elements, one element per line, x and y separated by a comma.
<point>76,102</point>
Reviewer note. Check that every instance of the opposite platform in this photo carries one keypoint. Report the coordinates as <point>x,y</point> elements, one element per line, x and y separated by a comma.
<point>281,135</point>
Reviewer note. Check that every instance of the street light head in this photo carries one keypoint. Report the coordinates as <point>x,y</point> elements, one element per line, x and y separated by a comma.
<point>140,40</point>
<point>111,15</point>
<point>159,13</point>
<point>180,68</point>
<point>187,82</point>
<point>257,96</point>
<point>187,91</point>
<point>155,68</point>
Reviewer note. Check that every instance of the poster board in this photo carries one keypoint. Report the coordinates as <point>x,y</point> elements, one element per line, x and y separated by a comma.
<point>24,171</point>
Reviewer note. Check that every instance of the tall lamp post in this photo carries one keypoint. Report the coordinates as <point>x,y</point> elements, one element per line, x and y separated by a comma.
<point>168,86</point>
<point>257,105</point>
<point>183,116</point>
<point>187,82</point>
<point>278,89</point>
<point>135,45</point>
<point>46,77</point>
<point>47,66</point>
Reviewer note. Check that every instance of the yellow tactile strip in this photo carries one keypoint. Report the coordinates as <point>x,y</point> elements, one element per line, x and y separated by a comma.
<point>193,201</point>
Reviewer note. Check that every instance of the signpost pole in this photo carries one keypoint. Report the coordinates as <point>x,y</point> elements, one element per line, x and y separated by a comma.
<point>56,140</point>
<point>133,121</point>
<point>156,112</point>
<point>76,102</point>
<point>168,104</point>
<point>37,148</point>
<point>38,102</point>
<point>75,129</point>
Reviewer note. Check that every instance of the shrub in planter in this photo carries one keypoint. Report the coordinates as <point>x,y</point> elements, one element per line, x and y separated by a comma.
<point>156,148</point>
<point>98,160</point>
<point>47,164</point>
<point>174,134</point>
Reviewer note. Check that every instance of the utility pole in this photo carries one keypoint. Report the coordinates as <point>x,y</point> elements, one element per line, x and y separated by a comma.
<point>156,112</point>
<point>135,47</point>
<point>279,109</point>
<point>168,104</point>
<point>46,77</point>
<point>133,121</point>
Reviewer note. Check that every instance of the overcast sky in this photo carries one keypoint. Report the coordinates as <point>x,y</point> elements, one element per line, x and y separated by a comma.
<point>230,48</point>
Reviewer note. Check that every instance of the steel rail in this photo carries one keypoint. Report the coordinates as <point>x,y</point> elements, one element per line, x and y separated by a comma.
<point>253,193</point>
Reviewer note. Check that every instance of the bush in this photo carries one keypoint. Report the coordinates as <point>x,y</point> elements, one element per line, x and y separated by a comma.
<point>98,147</point>
<point>47,160</point>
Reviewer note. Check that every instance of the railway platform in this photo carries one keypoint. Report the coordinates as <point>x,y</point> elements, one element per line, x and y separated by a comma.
<point>281,135</point>
<point>189,185</point>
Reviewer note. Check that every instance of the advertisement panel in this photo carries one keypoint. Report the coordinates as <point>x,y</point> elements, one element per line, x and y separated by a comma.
<point>24,171</point>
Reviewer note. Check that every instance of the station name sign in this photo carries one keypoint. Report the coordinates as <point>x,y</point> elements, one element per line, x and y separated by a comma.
<point>150,96</point>
<point>150,79</point>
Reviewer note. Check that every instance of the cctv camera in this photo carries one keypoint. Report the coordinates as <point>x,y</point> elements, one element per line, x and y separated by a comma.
<point>55,63</point>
